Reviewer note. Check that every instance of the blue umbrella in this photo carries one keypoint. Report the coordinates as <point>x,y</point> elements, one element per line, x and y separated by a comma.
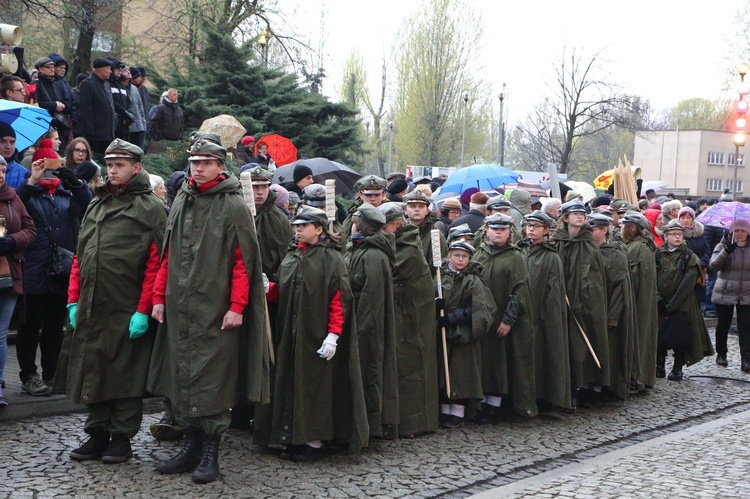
<point>483,177</point>
<point>29,122</point>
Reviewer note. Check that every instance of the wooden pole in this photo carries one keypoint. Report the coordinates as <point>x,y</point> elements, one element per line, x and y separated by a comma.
<point>436,262</point>
<point>585,338</point>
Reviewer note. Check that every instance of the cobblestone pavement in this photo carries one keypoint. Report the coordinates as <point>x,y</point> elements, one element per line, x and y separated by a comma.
<point>456,463</point>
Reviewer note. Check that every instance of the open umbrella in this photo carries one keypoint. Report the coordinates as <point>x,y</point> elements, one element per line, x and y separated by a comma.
<point>280,149</point>
<point>322,169</point>
<point>535,190</point>
<point>723,214</point>
<point>228,127</point>
<point>582,188</point>
<point>482,177</point>
<point>29,122</point>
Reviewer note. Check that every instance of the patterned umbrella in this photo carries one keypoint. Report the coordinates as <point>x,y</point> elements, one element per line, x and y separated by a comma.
<point>280,149</point>
<point>228,127</point>
<point>723,214</point>
<point>29,122</point>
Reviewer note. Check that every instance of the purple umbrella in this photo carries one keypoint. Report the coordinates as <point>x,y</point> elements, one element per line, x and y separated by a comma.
<point>724,213</point>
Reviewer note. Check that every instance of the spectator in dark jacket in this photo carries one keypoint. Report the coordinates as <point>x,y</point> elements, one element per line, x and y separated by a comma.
<point>51,95</point>
<point>61,71</point>
<point>56,201</point>
<point>712,234</point>
<point>121,99</point>
<point>475,217</point>
<point>97,111</point>
<point>167,120</point>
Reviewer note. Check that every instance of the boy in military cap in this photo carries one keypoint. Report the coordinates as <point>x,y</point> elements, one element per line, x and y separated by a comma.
<point>469,311</point>
<point>109,302</point>
<point>210,353</point>
<point>418,212</point>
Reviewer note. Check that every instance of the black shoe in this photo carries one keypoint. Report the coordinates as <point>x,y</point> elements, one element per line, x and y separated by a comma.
<point>290,451</point>
<point>441,419</point>
<point>119,449</point>
<point>745,366</point>
<point>307,454</point>
<point>452,422</point>
<point>486,416</point>
<point>166,430</point>
<point>675,375</point>
<point>721,360</point>
<point>661,372</point>
<point>208,468</point>
<point>92,448</point>
<point>189,456</point>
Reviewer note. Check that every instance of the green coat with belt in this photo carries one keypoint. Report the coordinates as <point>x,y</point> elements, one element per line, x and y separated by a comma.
<point>315,399</point>
<point>202,369</point>
<point>274,235</point>
<point>116,234</point>
<point>550,322</point>
<point>414,302</point>
<point>585,286</point>
<point>508,362</point>
<point>643,278</point>
<point>468,299</point>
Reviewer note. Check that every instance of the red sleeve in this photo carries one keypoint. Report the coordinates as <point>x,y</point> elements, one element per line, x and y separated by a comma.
<point>336,314</point>
<point>74,285</point>
<point>273,292</point>
<point>160,283</point>
<point>149,277</point>
<point>240,294</point>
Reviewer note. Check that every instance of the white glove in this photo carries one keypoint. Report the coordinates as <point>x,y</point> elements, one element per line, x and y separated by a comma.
<point>266,284</point>
<point>328,349</point>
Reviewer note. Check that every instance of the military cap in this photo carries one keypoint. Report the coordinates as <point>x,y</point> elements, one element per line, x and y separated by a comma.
<point>417,196</point>
<point>391,211</point>
<point>539,217</point>
<point>573,206</point>
<point>395,175</point>
<point>461,230</point>
<point>260,176</point>
<point>498,203</point>
<point>209,136</point>
<point>673,225</point>
<point>43,61</point>
<point>310,215</point>
<point>371,184</point>
<point>204,149</point>
<point>602,210</point>
<point>122,149</point>
<point>371,216</point>
<point>597,220</point>
<point>499,221</point>
<point>314,195</point>
<point>461,245</point>
<point>638,219</point>
<point>619,205</point>
<point>424,179</point>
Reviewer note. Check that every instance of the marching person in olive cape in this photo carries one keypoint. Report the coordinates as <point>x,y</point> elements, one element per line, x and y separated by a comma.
<point>418,212</point>
<point>469,312</point>
<point>318,387</point>
<point>210,352</point>
<point>109,302</point>
<point>371,190</point>
<point>413,300</point>
<point>677,272</point>
<point>641,247</point>
<point>587,303</point>
<point>620,311</point>
<point>508,350</point>
<point>369,264</point>
<point>548,311</point>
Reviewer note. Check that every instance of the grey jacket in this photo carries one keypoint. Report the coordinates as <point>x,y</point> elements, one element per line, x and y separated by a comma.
<point>139,114</point>
<point>733,281</point>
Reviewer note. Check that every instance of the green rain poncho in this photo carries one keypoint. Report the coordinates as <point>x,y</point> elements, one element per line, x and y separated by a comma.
<point>274,235</point>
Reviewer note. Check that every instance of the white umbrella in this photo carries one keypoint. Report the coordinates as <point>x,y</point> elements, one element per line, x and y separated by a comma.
<point>583,188</point>
<point>228,127</point>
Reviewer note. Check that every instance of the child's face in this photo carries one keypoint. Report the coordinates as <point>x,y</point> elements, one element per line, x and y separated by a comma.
<point>460,259</point>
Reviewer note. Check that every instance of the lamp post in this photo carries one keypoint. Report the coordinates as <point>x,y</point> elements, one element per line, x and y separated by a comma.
<point>501,131</point>
<point>390,145</point>
<point>463,137</point>
<point>739,138</point>
<point>263,40</point>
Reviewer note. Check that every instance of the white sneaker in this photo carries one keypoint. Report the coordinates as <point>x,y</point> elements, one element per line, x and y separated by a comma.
<point>36,387</point>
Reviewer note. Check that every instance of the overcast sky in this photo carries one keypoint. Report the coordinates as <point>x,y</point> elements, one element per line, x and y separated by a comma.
<point>662,50</point>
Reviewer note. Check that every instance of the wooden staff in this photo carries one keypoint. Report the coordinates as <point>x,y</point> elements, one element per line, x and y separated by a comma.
<point>436,262</point>
<point>247,193</point>
<point>331,202</point>
<point>585,338</point>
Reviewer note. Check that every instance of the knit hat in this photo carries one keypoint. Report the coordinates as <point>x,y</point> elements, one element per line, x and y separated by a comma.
<point>282,195</point>
<point>397,186</point>
<point>479,198</point>
<point>451,204</point>
<point>600,201</point>
<point>80,78</point>
<point>44,151</point>
<point>740,223</point>
<point>87,170</point>
<point>6,130</point>
<point>247,139</point>
<point>300,172</point>
<point>466,195</point>
<point>155,181</point>
<point>134,72</point>
<point>687,210</point>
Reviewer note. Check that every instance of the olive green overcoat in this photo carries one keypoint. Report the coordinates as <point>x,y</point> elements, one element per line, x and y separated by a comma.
<point>274,235</point>
<point>646,330</point>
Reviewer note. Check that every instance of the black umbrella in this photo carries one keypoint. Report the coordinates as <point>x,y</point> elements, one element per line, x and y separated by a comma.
<point>322,170</point>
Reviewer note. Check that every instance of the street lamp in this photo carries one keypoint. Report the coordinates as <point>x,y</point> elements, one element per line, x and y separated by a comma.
<point>390,145</point>
<point>463,137</point>
<point>501,131</point>
<point>739,138</point>
<point>265,37</point>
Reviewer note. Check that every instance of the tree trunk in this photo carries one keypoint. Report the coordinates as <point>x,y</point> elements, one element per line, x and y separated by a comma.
<point>82,54</point>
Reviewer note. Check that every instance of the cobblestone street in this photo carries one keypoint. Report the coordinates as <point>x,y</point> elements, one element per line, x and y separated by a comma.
<point>473,459</point>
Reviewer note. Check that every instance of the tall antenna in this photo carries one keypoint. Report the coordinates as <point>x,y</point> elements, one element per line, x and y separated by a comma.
<point>321,38</point>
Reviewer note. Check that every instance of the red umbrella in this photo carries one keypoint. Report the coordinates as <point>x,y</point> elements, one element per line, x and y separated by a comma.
<point>280,149</point>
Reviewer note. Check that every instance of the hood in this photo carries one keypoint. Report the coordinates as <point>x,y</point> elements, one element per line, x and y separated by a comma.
<point>57,58</point>
<point>141,183</point>
<point>585,234</point>
<point>272,195</point>
<point>6,193</point>
<point>165,100</point>
<point>385,242</point>
<point>229,184</point>
<point>473,268</point>
<point>519,199</point>
<point>408,235</point>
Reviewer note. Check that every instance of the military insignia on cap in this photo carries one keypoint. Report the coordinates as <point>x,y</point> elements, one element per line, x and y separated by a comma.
<point>499,221</point>
<point>371,183</point>
<point>597,220</point>
<point>119,148</point>
<point>417,196</point>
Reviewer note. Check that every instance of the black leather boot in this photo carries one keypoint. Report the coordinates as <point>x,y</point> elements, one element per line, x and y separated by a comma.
<point>119,450</point>
<point>208,469</point>
<point>486,416</point>
<point>661,370</point>
<point>94,447</point>
<point>745,367</point>
<point>188,457</point>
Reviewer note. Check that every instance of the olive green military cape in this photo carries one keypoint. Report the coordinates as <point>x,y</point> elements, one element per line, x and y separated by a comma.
<point>274,235</point>
<point>460,290</point>
<point>669,276</point>
<point>201,369</point>
<point>414,302</point>
<point>370,277</point>
<point>425,229</point>
<point>315,399</point>
<point>620,316</point>
<point>585,287</point>
<point>550,322</point>
<point>508,362</point>
<point>116,234</point>
<point>646,331</point>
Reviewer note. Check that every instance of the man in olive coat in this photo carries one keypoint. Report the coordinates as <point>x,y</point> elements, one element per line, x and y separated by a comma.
<point>109,302</point>
<point>210,352</point>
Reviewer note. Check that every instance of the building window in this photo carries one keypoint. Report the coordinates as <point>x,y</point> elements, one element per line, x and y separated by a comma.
<point>730,159</point>
<point>730,186</point>
<point>714,184</point>
<point>716,158</point>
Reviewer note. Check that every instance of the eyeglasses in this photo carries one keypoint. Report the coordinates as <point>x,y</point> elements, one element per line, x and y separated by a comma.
<point>80,151</point>
<point>21,89</point>
<point>460,256</point>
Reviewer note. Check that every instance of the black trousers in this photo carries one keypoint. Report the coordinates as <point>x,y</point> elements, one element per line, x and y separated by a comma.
<point>42,326</point>
<point>724,321</point>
